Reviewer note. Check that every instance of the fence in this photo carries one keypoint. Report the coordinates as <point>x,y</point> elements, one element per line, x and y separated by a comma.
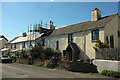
<point>107,54</point>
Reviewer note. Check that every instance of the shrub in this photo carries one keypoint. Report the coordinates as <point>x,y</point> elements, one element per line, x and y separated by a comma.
<point>50,64</point>
<point>48,53</point>
<point>40,64</point>
<point>100,44</point>
<point>36,51</point>
<point>110,73</point>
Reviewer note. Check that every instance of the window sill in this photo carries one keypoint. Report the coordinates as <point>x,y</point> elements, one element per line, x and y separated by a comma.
<point>93,41</point>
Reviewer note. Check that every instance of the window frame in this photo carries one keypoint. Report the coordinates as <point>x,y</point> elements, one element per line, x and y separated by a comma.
<point>70,38</point>
<point>96,34</point>
<point>14,45</point>
<point>57,45</point>
<point>43,41</point>
<point>23,45</point>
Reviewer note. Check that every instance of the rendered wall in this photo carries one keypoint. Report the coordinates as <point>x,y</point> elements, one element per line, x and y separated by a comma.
<point>107,65</point>
<point>83,41</point>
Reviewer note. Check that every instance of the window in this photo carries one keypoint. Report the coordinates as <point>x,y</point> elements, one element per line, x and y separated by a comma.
<point>95,34</point>
<point>107,40</point>
<point>57,45</point>
<point>15,46</point>
<point>30,43</point>
<point>23,46</point>
<point>70,38</point>
<point>112,41</point>
<point>118,33</point>
<point>43,42</point>
<point>11,46</point>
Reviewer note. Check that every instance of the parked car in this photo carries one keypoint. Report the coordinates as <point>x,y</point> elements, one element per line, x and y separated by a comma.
<point>5,59</point>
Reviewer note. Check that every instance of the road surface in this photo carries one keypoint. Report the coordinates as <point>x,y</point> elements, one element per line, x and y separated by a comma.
<point>15,70</point>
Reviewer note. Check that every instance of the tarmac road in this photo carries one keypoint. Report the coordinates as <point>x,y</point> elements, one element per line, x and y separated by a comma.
<point>15,70</point>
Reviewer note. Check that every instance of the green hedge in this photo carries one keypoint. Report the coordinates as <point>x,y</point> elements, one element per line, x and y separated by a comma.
<point>110,73</point>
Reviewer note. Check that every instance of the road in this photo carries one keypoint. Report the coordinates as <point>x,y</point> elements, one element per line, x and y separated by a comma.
<point>16,70</point>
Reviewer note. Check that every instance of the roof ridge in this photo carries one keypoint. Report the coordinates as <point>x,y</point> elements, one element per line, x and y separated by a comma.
<point>85,21</point>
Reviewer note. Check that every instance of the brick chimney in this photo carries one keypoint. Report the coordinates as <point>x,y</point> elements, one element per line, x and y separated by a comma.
<point>51,26</point>
<point>96,14</point>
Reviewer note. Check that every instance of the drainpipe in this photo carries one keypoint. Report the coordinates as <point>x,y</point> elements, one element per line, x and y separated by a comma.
<point>84,44</point>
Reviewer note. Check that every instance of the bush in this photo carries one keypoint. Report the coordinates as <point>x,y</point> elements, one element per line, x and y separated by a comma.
<point>100,44</point>
<point>36,51</point>
<point>110,73</point>
<point>40,64</point>
<point>50,65</point>
<point>22,54</point>
<point>48,53</point>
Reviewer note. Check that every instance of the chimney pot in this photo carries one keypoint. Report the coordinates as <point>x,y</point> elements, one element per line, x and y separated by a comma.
<point>50,22</point>
<point>96,9</point>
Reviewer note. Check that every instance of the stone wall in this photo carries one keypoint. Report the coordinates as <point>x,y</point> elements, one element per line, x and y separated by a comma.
<point>107,54</point>
<point>78,67</point>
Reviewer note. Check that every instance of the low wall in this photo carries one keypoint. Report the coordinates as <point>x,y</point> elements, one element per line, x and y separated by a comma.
<point>107,54</point>
<point>107,65</point>
<point>78,67</point>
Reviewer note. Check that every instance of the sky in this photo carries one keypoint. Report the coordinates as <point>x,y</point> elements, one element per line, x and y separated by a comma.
<point>17,16</point>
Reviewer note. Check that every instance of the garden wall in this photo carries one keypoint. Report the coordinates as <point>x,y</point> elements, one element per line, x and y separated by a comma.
<point>107,65</point>
<point>79,67</point>
<point>107,54</point>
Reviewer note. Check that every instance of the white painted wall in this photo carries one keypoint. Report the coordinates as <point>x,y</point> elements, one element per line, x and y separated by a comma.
<point>84,42</point>
<point>107,65</point>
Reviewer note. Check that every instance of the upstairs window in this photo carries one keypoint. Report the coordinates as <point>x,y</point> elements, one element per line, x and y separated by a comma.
<point>15,46</point>
<point>95,34</point>
<point>70,38</point>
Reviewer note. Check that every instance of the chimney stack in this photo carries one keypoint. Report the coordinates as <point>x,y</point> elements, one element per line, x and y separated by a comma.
<point>51,26</point>
<point>96,14</point>
<point>24,34</point>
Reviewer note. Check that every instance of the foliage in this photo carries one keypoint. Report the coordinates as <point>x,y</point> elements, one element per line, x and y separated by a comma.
<point>110,73</point>
<point>17,54</point>
<point>48,53</point>
<point>21,54</point>
<point>100,44</point>
<point>36,51</point>
<point>40,64</point>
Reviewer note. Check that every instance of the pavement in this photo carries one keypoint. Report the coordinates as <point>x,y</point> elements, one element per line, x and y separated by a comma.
<point>15,70</point>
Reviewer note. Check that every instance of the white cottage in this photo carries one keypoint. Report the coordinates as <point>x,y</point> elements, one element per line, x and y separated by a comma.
<point>83,35</point>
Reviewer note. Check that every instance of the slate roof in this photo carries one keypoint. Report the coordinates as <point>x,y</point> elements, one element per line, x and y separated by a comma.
<point>74,47</point>
<point>83,26</point>
<point>1,36</point>
<point>28,37</point>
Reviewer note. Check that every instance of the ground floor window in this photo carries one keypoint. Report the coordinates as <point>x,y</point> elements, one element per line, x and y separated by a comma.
<point>43,42</point>
<point>57,45</point>
<point>112,41</point>
<point>107,40</point>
